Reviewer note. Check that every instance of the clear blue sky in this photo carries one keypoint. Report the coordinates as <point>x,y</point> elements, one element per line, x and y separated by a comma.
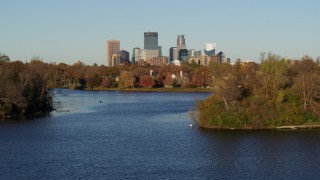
<point>70,30</point>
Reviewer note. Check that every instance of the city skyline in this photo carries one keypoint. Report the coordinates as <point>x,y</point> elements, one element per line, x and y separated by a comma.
<point>60,31</point>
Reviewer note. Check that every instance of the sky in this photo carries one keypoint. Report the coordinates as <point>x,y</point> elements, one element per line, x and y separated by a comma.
<point>70,30</point>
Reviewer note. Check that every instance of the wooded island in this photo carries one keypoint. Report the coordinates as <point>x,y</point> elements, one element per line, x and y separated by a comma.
<point>276,93</point>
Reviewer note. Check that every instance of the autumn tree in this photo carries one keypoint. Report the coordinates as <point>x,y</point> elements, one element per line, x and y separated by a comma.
<point>277,92</point>
<point>307,84</point>
<point>147,81</point>
<point>126,79</point>
<point>198,80</point>
<point>23,88</point>
<point>272,75</point>
<point>168,81</point>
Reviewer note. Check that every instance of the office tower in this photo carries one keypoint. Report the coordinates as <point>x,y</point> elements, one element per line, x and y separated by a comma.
<point>181,42</point>
<point>151,40</point>
<point>115,60</point>
<point>221,57</point>
<point>183,55</point>
<point>113,52</point>
<point>194,53</point>
<point>140,54</point>
<point>124,56</point>
<point>210,49</point>
<point>133,58</point>
<point>151,45</point>
<point>174,55</point>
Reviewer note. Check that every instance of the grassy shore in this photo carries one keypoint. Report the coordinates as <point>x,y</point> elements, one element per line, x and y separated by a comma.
<point>173,89</point>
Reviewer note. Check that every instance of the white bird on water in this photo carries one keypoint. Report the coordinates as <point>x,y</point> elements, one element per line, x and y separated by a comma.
<point>190,125</point>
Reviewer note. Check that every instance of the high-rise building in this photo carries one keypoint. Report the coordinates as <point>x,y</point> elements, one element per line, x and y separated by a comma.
<point>181,42</point>
<point>210,49</point>
<point>183,55</point>
<point>174,55</point>
<point>151,44</point>
<point>194,53</point>
<point>133,59</point>
<point>150,40</point>
<point>115,60</point>
<point>113,52</point>
<point>221,57</point>
<point>140,54</point>
<point>124,56</point>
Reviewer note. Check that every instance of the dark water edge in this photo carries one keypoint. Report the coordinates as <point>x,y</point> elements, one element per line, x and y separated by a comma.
<point>147,136</point>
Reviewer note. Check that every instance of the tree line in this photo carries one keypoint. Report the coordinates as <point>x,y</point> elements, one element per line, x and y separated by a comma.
<point>81,76</point>
<point>276,92</point>
<point>25,87</point>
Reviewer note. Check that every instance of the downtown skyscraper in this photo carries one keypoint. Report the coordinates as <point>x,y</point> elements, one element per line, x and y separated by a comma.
<point>181,42</point>
<point>113,53</point>
<point>151,45</point>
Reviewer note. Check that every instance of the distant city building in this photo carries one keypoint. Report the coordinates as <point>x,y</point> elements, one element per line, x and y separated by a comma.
<point>113,52</point>
<point>221,57</point>
<point>133,58</point>
<point>151,40</point>
<point>4,58</point>
<point>206,60</point>
<point>115,60</point>
<point>210,49</point>
<point>151,44</point>
<point>194,53</point>
<point>158,61</point>
<point>141,62</point>
<point>150,53</point>
<point>124,56</point>
<point>183,55</point>
<point>181,42</point>
<point>174,55</point>
<point>140,54</point>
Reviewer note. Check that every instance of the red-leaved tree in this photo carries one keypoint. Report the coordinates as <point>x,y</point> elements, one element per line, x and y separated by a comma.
<point>168,81</point>
<point>147,81</point>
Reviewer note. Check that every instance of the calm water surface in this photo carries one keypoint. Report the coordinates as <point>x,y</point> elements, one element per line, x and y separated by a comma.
<point>147,136</point>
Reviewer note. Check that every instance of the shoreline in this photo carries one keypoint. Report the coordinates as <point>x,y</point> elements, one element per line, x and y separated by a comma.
<point>153,89</point>
<point>287,127</point>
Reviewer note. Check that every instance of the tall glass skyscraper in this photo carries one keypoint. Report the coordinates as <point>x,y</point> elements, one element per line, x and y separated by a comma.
<point>151,44</point>
<point>151,40</point>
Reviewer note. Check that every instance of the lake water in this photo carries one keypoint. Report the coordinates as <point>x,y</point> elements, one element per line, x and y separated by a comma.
<point>135,135</point>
